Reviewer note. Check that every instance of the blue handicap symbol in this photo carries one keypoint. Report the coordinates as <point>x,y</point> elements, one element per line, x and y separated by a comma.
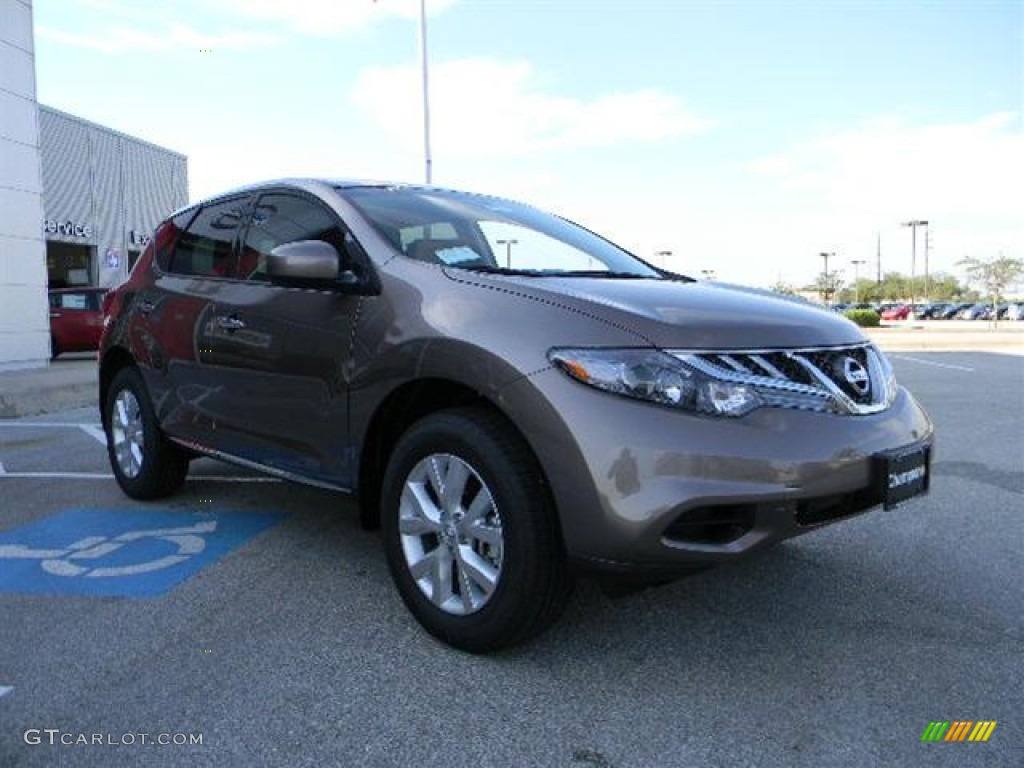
<point>120,553</point>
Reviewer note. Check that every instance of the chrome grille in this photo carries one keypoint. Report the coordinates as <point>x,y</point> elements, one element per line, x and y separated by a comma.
<point>852,379</point>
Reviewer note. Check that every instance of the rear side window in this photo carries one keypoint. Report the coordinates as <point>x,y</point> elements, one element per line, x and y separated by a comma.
<point>205,248</point>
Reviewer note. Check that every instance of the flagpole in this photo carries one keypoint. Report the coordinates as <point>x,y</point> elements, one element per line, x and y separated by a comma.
<point>427,161</point>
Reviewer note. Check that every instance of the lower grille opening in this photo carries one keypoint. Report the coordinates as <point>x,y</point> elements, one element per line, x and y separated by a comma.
<point>712,525</point>
<point>825,508</point>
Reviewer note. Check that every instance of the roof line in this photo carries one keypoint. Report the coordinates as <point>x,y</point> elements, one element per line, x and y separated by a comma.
<point>106,129</point>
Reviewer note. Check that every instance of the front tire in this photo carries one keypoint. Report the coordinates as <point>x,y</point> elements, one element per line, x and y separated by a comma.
<point>470,533</point>
<point>145,463</point>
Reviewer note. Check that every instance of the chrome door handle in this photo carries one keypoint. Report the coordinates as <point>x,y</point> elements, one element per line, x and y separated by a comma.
<point>230,323</point>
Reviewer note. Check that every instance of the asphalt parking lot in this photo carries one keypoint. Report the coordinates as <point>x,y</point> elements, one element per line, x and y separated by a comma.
<point>269,627</point>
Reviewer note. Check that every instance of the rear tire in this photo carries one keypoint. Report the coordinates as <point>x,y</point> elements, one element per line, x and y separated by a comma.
<point>54,348</point>
<point>145,463</point>
<point>470,533</point>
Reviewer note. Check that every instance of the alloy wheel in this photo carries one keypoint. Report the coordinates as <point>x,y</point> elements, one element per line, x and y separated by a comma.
<point>451,534</point>
<point>127,433</point>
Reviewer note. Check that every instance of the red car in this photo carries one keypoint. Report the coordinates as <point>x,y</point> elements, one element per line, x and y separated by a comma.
<point>76,319</point>
<point>900,312</point>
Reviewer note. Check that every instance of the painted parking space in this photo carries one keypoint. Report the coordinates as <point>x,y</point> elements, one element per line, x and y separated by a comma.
<point>27,448</point>
<point>119,553</point>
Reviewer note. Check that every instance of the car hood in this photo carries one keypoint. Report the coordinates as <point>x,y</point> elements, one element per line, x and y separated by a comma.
<point>674,314</point>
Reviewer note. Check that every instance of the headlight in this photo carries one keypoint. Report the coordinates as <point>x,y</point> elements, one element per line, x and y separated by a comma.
<point>657,377</point>
<point>853,379</point>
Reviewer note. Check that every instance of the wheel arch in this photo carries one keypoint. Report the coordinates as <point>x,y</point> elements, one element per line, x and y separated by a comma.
<point>114,360</point>
<point>395,414</point>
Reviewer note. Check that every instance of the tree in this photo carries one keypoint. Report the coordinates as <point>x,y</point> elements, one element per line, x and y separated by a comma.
<point>784,288</point>
<point>895,286</point>
<point>993,275</point>
<point>827,285</point>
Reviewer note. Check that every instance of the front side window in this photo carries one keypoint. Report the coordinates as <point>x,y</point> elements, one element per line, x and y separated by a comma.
<point>205,248</point>
<point>489,234</point>
<point>278,219</point>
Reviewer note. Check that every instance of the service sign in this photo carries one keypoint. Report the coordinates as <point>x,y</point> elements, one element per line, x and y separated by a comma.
<point>67,228</point>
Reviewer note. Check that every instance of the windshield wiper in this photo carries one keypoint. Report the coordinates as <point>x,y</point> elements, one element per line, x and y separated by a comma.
<point>488,270</point>
<point>608,274</point>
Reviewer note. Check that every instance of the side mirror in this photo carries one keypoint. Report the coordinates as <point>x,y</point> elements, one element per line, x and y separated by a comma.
<point>304,260</point>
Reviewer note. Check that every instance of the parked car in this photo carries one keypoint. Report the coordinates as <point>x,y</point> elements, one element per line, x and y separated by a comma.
<point>76,319</point>
<point>898,312</point>
<point>932,311</point>
<point>974,312</point>
<point>953,311</point>
<point>1015,311</point>
<point>513,398</point>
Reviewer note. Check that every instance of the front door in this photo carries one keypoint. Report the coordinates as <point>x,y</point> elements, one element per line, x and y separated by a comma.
<point>283,350</point>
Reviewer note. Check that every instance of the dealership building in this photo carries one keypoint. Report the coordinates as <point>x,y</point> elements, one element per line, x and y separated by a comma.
<point>103,195</point>
<point>78,201</point>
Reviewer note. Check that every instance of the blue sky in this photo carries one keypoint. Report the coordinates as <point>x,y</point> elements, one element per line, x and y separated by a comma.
<point>745,137</point>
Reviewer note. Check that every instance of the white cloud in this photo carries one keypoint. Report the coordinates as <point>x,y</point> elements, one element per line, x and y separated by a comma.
<point>888,168</point>
<point>484,107</point>
<point>131,26</point>
<point>330,17</point>
<point>835,192</point>
<point>176,37</point>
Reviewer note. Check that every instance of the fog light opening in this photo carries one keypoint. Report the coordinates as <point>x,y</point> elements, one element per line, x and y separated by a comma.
<point>712,525</point>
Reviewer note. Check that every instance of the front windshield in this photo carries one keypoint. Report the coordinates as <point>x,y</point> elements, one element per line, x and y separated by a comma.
<point>489,234</point>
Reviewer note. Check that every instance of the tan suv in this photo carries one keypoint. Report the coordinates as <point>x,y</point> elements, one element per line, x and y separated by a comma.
<point>512,397</point>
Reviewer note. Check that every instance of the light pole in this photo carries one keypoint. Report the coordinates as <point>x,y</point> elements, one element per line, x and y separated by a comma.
<point>914,224</point>
<point>878,258</point>
<point>508,250</point>
<point>856,278</point>
<point>825,283</point>
<point>427,160</point>
<point>663,257</point>
<point>709,274</point>
<point>927,248</point>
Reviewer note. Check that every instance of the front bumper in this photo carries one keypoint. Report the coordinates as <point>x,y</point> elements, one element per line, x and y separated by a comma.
<point>644,488</point>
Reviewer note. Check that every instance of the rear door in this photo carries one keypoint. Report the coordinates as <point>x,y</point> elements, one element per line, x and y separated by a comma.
<point>189,397</point>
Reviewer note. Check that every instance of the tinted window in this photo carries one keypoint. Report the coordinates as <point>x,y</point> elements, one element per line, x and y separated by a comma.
<point>279,219</point>
<point>205,247</point>
<point>166,236</point>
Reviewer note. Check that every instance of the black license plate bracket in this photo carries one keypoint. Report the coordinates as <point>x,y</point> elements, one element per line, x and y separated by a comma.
<point>902,474</point>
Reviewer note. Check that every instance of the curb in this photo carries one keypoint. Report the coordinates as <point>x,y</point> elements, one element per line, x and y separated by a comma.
<point>934,340</point>
<point>60,386</point>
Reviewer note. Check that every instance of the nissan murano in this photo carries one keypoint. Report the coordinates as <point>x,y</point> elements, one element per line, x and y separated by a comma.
<point>512,398</point>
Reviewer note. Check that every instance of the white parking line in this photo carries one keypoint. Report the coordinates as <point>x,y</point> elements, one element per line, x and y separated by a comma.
<point>104,476</point>
<point>931,362</point>
<point>96,433</point>
<point>45,424</point>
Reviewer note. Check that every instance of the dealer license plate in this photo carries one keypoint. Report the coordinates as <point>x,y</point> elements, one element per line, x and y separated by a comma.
<point>903,474</point>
